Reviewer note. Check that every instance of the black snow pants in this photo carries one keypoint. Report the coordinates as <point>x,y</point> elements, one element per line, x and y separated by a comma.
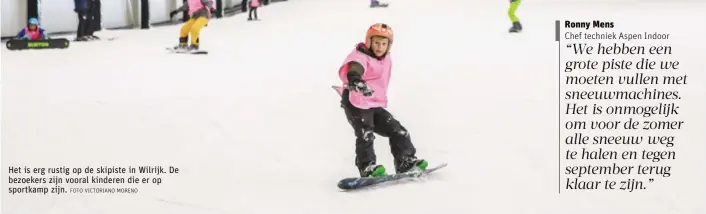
<point>366,123</point>
<point>252,10</point>
<point>84,24</point>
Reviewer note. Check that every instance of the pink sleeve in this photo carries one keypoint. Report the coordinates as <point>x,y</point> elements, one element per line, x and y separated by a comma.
<point>343,71</point>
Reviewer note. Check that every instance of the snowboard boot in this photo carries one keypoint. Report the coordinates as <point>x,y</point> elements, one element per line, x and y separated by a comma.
<point>373,171</point>
<point>410,164</point>
<point>183,46</point>
<point>81,39</point>
<point>193,47</point>
<point>516,27</point>
<point>182,43</point>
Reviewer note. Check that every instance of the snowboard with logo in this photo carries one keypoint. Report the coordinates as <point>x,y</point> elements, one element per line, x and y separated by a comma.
<point>359,183</point>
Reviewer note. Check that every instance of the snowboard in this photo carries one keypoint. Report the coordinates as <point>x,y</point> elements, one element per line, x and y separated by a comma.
<point>379,6</point>
<point>174,50</point>
<point>348,184</point>
<point>37,44</point>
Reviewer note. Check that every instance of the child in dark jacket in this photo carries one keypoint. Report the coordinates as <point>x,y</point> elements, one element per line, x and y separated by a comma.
<point>32,31</point>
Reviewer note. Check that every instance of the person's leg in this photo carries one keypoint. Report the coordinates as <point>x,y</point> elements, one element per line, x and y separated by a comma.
<point>516,26</point>
<point>361,120</point>
<point>89,18</point>
<point>401,145</point>
<point>98,17</point>
<point>256,13</point>
<point>196,31</point>
<point>82,25</point>
<point>250,13</point>
<point>94,18</point>
<point>184,33</point>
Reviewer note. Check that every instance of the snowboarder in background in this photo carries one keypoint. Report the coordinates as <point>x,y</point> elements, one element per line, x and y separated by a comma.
<point>32,31</point>
<point>254,4</point>
<point>516,26</point>
<point>376,3</point>
<point>365,75</point>
<point>200,12</point>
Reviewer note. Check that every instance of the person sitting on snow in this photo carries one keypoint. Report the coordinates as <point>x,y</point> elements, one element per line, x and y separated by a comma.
<point>32,31</point>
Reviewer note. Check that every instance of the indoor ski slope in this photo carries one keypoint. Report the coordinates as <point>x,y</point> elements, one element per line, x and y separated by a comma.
<point>256,129</point>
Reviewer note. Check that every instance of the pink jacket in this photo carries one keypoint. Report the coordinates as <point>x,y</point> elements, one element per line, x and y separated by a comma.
<point>196,5</point>
<point>254,3</point>
<point>377,75</point>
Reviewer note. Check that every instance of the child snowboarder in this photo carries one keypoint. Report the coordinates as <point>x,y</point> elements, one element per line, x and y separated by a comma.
<point>516,26</point>
<point>199,13</point>
<point>365,75</point>
<point>32,31</point>
<point>254,4</point>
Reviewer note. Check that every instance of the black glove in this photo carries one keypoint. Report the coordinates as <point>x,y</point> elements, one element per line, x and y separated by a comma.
<point>361,87</point>
<point>172,14</point>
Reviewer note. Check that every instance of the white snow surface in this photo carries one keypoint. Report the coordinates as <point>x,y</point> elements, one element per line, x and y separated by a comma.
<point>255,128</point>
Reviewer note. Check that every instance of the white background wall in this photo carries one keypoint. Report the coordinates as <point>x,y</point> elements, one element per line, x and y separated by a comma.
<point>231,3</point>
<point>159,9</point>
<point>59,15</point>
<point>14,15</point>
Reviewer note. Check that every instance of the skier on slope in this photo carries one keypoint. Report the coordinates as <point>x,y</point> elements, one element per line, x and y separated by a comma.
<point>200,11</point>
<point>366,74</point>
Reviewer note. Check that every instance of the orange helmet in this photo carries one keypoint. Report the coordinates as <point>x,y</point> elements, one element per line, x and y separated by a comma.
<point>379,29</point>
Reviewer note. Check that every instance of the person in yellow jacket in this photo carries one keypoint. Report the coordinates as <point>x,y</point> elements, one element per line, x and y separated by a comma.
<point>200,11</point>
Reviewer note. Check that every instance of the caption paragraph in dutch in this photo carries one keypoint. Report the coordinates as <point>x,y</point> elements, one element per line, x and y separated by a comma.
<point>85,180</point>
<point>619,107</point>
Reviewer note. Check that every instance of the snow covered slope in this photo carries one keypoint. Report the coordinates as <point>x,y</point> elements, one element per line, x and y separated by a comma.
<point>255,129</point>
